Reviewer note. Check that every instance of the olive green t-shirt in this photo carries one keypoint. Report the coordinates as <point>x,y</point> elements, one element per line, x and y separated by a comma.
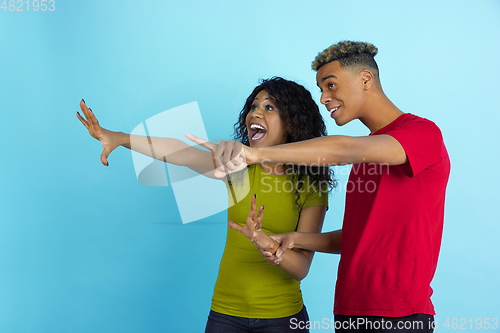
<point>247,286</point>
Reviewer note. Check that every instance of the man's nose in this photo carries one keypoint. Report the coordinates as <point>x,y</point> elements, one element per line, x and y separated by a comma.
<point>325,98</point>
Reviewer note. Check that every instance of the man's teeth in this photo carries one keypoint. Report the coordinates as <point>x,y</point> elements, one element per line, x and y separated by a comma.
<point>254,126</point>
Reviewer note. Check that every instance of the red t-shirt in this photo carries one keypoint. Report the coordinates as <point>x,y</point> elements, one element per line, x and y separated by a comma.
<point>392,227</point>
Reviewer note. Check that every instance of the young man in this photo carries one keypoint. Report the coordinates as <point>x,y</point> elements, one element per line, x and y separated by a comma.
<point>391,235</point>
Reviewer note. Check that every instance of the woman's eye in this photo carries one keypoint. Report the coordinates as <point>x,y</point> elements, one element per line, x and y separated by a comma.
<point>269,107</point>
<point>253,107</point>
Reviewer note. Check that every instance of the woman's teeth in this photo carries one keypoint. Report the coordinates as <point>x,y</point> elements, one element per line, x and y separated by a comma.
<point>257,126</point>
<point>258,132</point>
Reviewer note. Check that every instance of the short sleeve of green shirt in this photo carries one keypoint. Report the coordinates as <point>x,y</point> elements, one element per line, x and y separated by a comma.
<point>316,198</point>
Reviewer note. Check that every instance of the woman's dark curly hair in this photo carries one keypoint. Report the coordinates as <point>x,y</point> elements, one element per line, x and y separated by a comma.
<point>303,121</point>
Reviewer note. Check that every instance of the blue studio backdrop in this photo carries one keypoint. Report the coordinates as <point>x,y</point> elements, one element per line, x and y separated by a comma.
<point>88,248</point>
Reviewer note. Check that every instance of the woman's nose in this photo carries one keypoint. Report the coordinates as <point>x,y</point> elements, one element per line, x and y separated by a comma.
<point>257,113</point>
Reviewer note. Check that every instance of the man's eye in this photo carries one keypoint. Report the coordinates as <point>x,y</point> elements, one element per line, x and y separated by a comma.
<point>330,85</point>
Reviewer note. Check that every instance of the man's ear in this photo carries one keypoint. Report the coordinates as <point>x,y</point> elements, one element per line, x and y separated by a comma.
<point>367,78</point>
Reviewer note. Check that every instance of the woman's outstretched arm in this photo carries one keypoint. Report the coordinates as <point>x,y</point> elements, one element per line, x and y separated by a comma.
<point>164,149</point>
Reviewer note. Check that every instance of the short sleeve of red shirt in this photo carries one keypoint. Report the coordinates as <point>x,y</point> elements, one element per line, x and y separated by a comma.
<point>422,141</point>
<point>393,225</point>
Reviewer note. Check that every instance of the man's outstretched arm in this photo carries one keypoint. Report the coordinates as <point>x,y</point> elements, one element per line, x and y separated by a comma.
<point>327,242</point>
<point>335,150</point>
<point>328,150</point>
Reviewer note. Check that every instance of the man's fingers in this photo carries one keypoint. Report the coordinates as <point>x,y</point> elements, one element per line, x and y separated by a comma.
<point>276,238</point>
<point>268,257</point>
<point>239,157</point>
<point>233,155</point>
<point>280,251</point>
<point>267,254</point>
<point>231,167</point>
<point>218,155</point>
<point>284,246</point>
<point>202,142</point>
<point>227,155</point>
<point>238,160</point>
<point>220,174</point>
<point>228,152</point>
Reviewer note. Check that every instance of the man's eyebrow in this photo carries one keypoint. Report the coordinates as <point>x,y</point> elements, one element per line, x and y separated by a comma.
<point>328,77</point>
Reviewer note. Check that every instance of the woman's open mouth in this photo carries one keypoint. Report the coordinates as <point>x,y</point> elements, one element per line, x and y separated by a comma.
<point>257,132</point>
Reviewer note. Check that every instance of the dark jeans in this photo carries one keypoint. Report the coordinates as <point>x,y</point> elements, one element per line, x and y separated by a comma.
<point>221,323</point>
<point>419,322</point>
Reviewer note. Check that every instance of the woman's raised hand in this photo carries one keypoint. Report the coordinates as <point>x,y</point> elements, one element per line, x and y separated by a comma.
<point>107,138</point>
<point>252,229</point>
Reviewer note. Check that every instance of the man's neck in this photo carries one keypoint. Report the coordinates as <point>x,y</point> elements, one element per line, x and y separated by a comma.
<point>379,113</point>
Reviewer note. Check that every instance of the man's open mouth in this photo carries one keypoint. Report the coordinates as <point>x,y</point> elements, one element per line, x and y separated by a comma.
<point>333,111</point>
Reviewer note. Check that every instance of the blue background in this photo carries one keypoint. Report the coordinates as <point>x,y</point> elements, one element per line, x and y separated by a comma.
<point>86,248</point>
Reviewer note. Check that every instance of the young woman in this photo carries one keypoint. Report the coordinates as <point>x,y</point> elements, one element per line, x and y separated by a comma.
<point>251,295</point>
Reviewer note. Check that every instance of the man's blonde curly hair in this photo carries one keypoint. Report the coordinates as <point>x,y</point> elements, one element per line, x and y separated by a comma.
<point>348,53</point>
